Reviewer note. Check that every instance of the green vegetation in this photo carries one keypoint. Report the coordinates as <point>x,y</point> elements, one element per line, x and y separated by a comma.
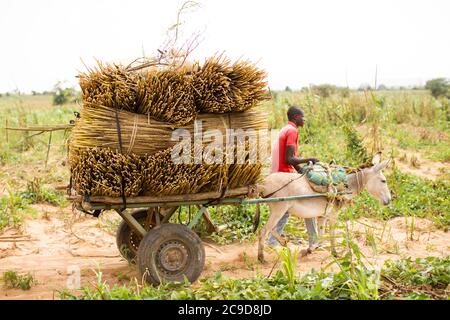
<point>36,193</point>
<point>438,87</point>
<point>25,147</point>
<point>12,209</point>
<point>376,116</point>
<point>422,278</point>
<point>13,280</point>
<point>353,281</point>
<point>63,95</point>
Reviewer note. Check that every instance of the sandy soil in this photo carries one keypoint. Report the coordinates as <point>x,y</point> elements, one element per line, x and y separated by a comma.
<point>53,245</point>
<point>415,163</point>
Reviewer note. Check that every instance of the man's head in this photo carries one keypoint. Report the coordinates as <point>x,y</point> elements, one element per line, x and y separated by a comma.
<point>296,114</point>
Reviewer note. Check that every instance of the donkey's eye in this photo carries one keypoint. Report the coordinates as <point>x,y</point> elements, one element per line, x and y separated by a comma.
<point>383,181</point>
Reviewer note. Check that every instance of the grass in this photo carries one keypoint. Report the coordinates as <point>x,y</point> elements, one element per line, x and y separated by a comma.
<point>23,111</point>
<point>13,280</point>
<point>17,205</point>
<point>36,193</point>
<point>13,208</point>
<point>423,119</point>
<point>353,281</point>
<point>421,278</point>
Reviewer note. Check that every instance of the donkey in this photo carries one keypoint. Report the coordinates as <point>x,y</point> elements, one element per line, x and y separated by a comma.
<point>293,184</point>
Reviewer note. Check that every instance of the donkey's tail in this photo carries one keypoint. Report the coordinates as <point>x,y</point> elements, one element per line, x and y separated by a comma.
<point>256,218</point>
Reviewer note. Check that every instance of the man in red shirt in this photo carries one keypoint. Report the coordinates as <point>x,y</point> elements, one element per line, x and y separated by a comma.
<point>285,159</point>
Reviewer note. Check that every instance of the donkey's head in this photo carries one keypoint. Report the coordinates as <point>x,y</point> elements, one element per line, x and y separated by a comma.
<point>376,183</point>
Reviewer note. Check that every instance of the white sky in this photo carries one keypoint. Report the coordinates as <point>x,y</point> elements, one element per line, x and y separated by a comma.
<point>297,42</point>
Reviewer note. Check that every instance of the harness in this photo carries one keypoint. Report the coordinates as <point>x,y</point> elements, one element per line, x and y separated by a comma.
<point>292,180</point>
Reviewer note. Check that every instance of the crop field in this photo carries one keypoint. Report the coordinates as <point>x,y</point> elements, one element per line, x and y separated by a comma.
<point>400,251</point>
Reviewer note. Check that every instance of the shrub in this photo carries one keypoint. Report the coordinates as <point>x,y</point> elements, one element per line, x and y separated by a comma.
<point>438,87</point>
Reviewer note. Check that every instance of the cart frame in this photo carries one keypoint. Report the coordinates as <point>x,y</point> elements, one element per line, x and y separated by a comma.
<point>177,253</point>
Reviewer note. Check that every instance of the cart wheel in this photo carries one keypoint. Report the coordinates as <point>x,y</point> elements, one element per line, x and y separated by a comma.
<point>169,253</point>
<point>127,240</point>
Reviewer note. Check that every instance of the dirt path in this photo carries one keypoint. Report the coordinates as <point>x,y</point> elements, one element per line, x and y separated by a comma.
<point>415,163</point>
<point>54,245</point>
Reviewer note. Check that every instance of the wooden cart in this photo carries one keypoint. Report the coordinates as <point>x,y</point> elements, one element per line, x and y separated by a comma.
<point>162,250</point>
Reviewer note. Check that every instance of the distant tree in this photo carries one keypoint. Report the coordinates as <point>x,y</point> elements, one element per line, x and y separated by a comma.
<point>62,95</point>
<point>304,89</point>
<point>382,87</point>
<point>364,87</point>
<point>438,87</point>
<point>324,90</point>
<point>288,89</point>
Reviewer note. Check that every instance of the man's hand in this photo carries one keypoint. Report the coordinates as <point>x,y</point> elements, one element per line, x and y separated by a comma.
<point>313,160</point>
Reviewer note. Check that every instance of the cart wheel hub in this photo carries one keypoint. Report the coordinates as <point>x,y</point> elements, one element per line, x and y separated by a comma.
<point>173,256</point>
<point>135,240</point>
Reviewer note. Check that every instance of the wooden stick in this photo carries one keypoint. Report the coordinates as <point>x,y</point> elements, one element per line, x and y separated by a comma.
<point>38,128</point>
<point>211,226</point>
<point>15,237</point>
<point>242,191</point>
<point>48,148</point>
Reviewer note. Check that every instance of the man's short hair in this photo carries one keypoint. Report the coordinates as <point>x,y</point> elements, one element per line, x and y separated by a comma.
<point>293,111</point>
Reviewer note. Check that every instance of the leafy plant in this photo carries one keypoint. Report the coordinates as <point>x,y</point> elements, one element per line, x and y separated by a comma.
<point>289,262</point>
<point>420,278</point>
<point>36,193</point>
<point>12,208</point>
<point>19,281</point>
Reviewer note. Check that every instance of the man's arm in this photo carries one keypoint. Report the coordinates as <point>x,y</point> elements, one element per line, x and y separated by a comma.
<point>294,161</point>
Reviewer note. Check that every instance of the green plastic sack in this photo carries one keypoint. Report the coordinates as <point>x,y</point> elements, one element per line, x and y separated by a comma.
<point>318,175</point>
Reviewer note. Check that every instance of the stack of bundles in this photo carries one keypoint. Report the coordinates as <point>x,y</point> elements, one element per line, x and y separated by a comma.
<point>122,142</point>
<point>165,95</point>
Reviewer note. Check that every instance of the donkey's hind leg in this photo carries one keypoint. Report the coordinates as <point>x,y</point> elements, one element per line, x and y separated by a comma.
<point>276,212</point>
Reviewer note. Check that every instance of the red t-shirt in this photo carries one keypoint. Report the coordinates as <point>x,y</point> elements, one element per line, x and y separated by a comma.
<point>288,136</point>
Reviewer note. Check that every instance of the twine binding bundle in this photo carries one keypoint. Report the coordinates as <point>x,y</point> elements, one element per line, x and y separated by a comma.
<point>142,135</point>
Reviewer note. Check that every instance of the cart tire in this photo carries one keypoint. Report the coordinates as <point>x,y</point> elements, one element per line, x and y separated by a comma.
<point>170,252</point>
<point>127,240</point>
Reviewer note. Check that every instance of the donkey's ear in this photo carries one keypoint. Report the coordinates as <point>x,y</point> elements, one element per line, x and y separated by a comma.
<point>376,158</point>
<point>381,165</point>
